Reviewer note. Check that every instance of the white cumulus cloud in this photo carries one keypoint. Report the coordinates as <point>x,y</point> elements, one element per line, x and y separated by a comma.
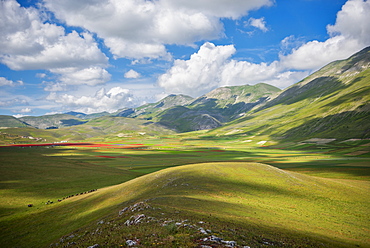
<point>212,66</point>
<point>90,76</point>
<point>25,110</point>
<point>199,74</point>
<point>28,42</point>
<point>40,75</point>
<point>103,100</point>
<point>220,8</point>
<point>353,21</point>
<point>258,23</point>
<point>6,82</point>
<point>132,74</point>
<point>145,27</point>
<point>13,102</point>
<point>52,86</point>
<point>349,34</point>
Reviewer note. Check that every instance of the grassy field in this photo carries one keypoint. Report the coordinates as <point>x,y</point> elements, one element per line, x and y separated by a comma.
<point>228,191</point>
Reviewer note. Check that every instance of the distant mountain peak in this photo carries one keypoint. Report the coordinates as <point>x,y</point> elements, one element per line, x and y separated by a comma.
<point>75,113</point>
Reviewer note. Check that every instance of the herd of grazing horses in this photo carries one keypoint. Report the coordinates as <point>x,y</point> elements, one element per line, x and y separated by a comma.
<point>59,200</point>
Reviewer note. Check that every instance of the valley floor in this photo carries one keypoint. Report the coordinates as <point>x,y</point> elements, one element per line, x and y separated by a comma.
<point>191,192</point>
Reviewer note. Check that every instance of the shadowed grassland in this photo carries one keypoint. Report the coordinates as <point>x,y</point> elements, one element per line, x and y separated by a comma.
<point>37,175</point>
<point>28,176</point>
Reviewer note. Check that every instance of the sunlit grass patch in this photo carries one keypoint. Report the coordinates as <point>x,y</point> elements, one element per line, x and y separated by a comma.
<point>301,210</point>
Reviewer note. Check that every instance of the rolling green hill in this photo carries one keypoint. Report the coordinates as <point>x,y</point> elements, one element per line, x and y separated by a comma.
<point>249,203</point>
<point>333,103</point>
<point>256,201</point>
<point>52,121</point>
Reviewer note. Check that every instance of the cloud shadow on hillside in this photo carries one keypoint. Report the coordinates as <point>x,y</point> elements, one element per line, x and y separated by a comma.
<point>350,97</point>
<point>345,125</point>
<point>318,87</point>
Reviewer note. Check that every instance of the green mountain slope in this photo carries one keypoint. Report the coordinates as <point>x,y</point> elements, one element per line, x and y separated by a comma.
<point>331,103</point>
<point>230,95</point>
<point>184,119</point>
<point>218,106</point>
<point>99,129</point>
<point>88,116</point>
<point>52,121</point>
<point>151,109</point>
<point>110,127</point>
<point>10,121</point>
<point>232,101</point>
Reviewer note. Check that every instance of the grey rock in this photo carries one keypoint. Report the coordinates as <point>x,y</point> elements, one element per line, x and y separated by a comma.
<point>130,242</point>
<point>94,246</point>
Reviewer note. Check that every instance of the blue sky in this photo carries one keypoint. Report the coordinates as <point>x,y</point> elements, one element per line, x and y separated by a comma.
<point>93,56</point>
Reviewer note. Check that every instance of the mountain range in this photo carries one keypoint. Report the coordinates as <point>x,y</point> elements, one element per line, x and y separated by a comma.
<point>330,103</point>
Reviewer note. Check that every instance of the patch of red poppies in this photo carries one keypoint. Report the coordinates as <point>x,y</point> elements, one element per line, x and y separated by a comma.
<point>50,144</point>
<point>103,156</point>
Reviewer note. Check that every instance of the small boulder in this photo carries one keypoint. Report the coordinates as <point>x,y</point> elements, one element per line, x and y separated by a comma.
<point>130,242</point>
<point>94,246</point>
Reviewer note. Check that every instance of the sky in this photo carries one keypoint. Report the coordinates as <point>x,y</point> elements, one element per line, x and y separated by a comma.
<point>103,55</point>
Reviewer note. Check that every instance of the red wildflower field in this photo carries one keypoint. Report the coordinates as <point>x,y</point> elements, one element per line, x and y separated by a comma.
<point>102,156</point>
<point>48,144</point>
<point>128,146</point>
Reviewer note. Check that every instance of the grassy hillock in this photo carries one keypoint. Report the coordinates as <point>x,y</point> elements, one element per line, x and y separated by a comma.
<point>259,203</point>
<point>249,203</point>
